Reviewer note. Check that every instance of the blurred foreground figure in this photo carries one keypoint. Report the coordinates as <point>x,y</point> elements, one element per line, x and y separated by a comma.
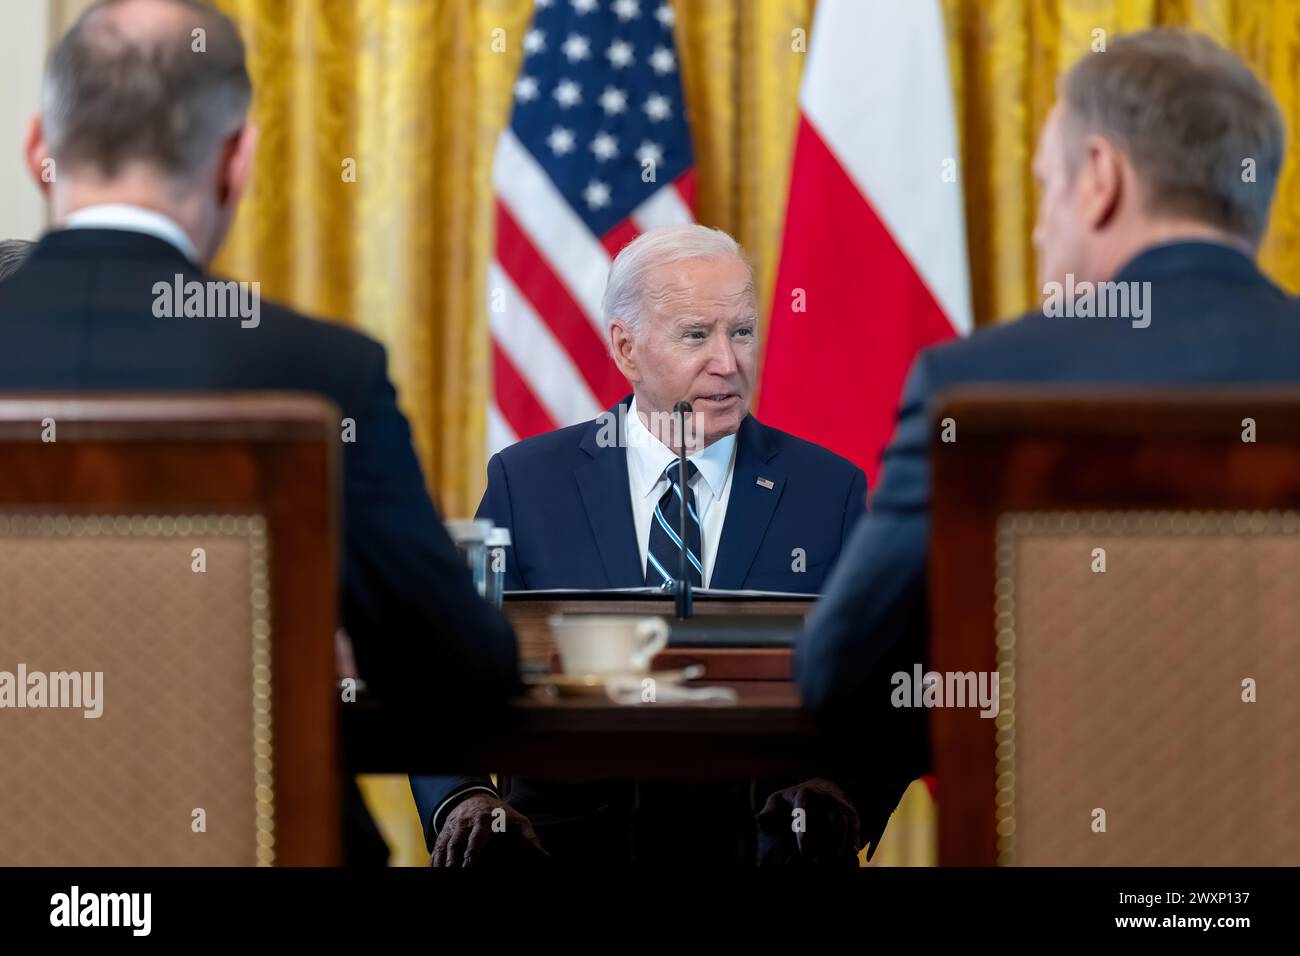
<point>1156,171</point>
<point>143,152</point>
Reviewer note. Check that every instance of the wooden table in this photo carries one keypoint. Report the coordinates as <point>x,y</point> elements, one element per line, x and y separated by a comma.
<point>764,734</point>
<point>529,611</point>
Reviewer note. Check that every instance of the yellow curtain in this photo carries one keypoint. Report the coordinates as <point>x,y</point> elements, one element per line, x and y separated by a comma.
<point>372,197</point>
<point>371,202</point>
<point>1005,56</point>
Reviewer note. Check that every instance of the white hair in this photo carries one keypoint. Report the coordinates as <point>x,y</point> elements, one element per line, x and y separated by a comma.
<point>656,247</point>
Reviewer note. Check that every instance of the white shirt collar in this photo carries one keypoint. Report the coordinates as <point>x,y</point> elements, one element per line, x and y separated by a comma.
<point>650,456</point>
<point>134,219</point>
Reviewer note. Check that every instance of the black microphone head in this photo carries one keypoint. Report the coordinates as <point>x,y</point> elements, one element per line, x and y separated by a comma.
<point>683,407</point>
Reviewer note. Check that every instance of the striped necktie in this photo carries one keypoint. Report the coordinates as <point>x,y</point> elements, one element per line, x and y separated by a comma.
<point>663,557</point>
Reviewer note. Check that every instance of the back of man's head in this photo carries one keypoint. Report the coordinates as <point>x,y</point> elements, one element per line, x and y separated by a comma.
<point>1204,136</point>
<point>158,82</point>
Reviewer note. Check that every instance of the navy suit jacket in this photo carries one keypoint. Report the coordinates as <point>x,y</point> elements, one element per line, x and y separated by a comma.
<point>567,503</point>
<point>566,499</point>
<point>78,316</point>
<point>1214,320</point>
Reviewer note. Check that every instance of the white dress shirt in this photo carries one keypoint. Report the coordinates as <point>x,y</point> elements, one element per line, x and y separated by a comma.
<point>647,457</point>
<point>134,219</point>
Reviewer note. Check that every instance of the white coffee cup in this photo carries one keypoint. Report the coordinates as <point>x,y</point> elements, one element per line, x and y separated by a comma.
<point>607,644</point>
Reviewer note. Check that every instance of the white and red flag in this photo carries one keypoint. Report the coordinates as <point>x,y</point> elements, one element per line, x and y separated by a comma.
<point>873,266</point>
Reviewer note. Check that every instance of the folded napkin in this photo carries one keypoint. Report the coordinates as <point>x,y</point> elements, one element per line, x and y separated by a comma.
<point>632,690</point>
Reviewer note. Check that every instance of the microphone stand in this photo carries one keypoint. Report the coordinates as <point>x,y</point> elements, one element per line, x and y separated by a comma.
<point>683,588</point>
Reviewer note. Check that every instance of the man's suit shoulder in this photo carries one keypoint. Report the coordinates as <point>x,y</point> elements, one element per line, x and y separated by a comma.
<point>306,352</point>
<point>803,455</point>
<point>565,443</point>
<point>547,449</point>
<point>991,341</point>
<point>1224,298</point>
<point>335,339</point>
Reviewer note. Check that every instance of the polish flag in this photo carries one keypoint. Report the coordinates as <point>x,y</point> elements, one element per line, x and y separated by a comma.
<point>873,266</point>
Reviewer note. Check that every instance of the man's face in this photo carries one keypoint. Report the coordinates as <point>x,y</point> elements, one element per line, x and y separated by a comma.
<point>1059,232</point>
<point>696,342</point>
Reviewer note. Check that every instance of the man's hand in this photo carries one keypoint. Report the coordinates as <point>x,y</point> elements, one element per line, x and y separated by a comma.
<point>827,830</point>
<point>477,822</point>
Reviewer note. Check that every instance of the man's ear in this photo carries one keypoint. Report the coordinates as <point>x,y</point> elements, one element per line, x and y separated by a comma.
<point>1101,182</point>
<point>38,159</point>
<point>620,340</point>
<point>237,164</point>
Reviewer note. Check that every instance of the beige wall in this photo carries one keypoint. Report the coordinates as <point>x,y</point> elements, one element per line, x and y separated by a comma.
<point>27,29</point>
<point>63,12</point>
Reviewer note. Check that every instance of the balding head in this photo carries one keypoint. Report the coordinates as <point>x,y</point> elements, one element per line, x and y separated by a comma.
<point>161,82</point>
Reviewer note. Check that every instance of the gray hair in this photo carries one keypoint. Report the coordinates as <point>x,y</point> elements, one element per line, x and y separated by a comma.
<point>13,253</point>
<point>656,247</point>
<point>157,92</point>
<point>1189,114</point>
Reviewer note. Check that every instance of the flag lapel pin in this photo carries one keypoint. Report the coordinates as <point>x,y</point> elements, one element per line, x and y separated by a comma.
<point>765,483</point>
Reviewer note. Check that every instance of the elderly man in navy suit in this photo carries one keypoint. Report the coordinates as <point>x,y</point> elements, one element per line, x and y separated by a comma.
<point>1156,170</point>
<point>595,505</point>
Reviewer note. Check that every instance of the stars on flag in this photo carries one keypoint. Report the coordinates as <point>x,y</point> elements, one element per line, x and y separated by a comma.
<point>649,152</point>
<point>626,9</point>
<point>560,141</point>
<point>619,54</point>
<point>613,101</point>
<point>663,61</point>
<point>526,89</point>
<point>604,146</point>
<point>568,93</point>
<point>657,107</point>
<point>576,48</point>
<point>596,194</point>
<point>600,77</point>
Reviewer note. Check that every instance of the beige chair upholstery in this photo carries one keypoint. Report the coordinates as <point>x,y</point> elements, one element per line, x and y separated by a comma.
<point>181,564</point>
<point>1127,564</point>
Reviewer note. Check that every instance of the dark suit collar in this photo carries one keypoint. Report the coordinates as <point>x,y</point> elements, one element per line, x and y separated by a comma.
<point>607,496</point>
<point>1188,258</point>
<point>755,436</point>
<point>102,243</point>
<point>605,431</point>
<point>603,484</point>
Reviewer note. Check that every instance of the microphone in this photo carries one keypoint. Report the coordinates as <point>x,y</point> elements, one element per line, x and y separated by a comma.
<point>683,589</point>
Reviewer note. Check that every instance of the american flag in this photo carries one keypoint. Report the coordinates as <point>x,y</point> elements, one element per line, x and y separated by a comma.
<point>597,152</point>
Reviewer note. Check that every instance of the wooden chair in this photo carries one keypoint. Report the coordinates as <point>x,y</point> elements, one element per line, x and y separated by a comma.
<point>184,548</point>
<point>1124,692</point>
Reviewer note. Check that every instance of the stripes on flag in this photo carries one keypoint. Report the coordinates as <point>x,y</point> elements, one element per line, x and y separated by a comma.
<point>598,95</point>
